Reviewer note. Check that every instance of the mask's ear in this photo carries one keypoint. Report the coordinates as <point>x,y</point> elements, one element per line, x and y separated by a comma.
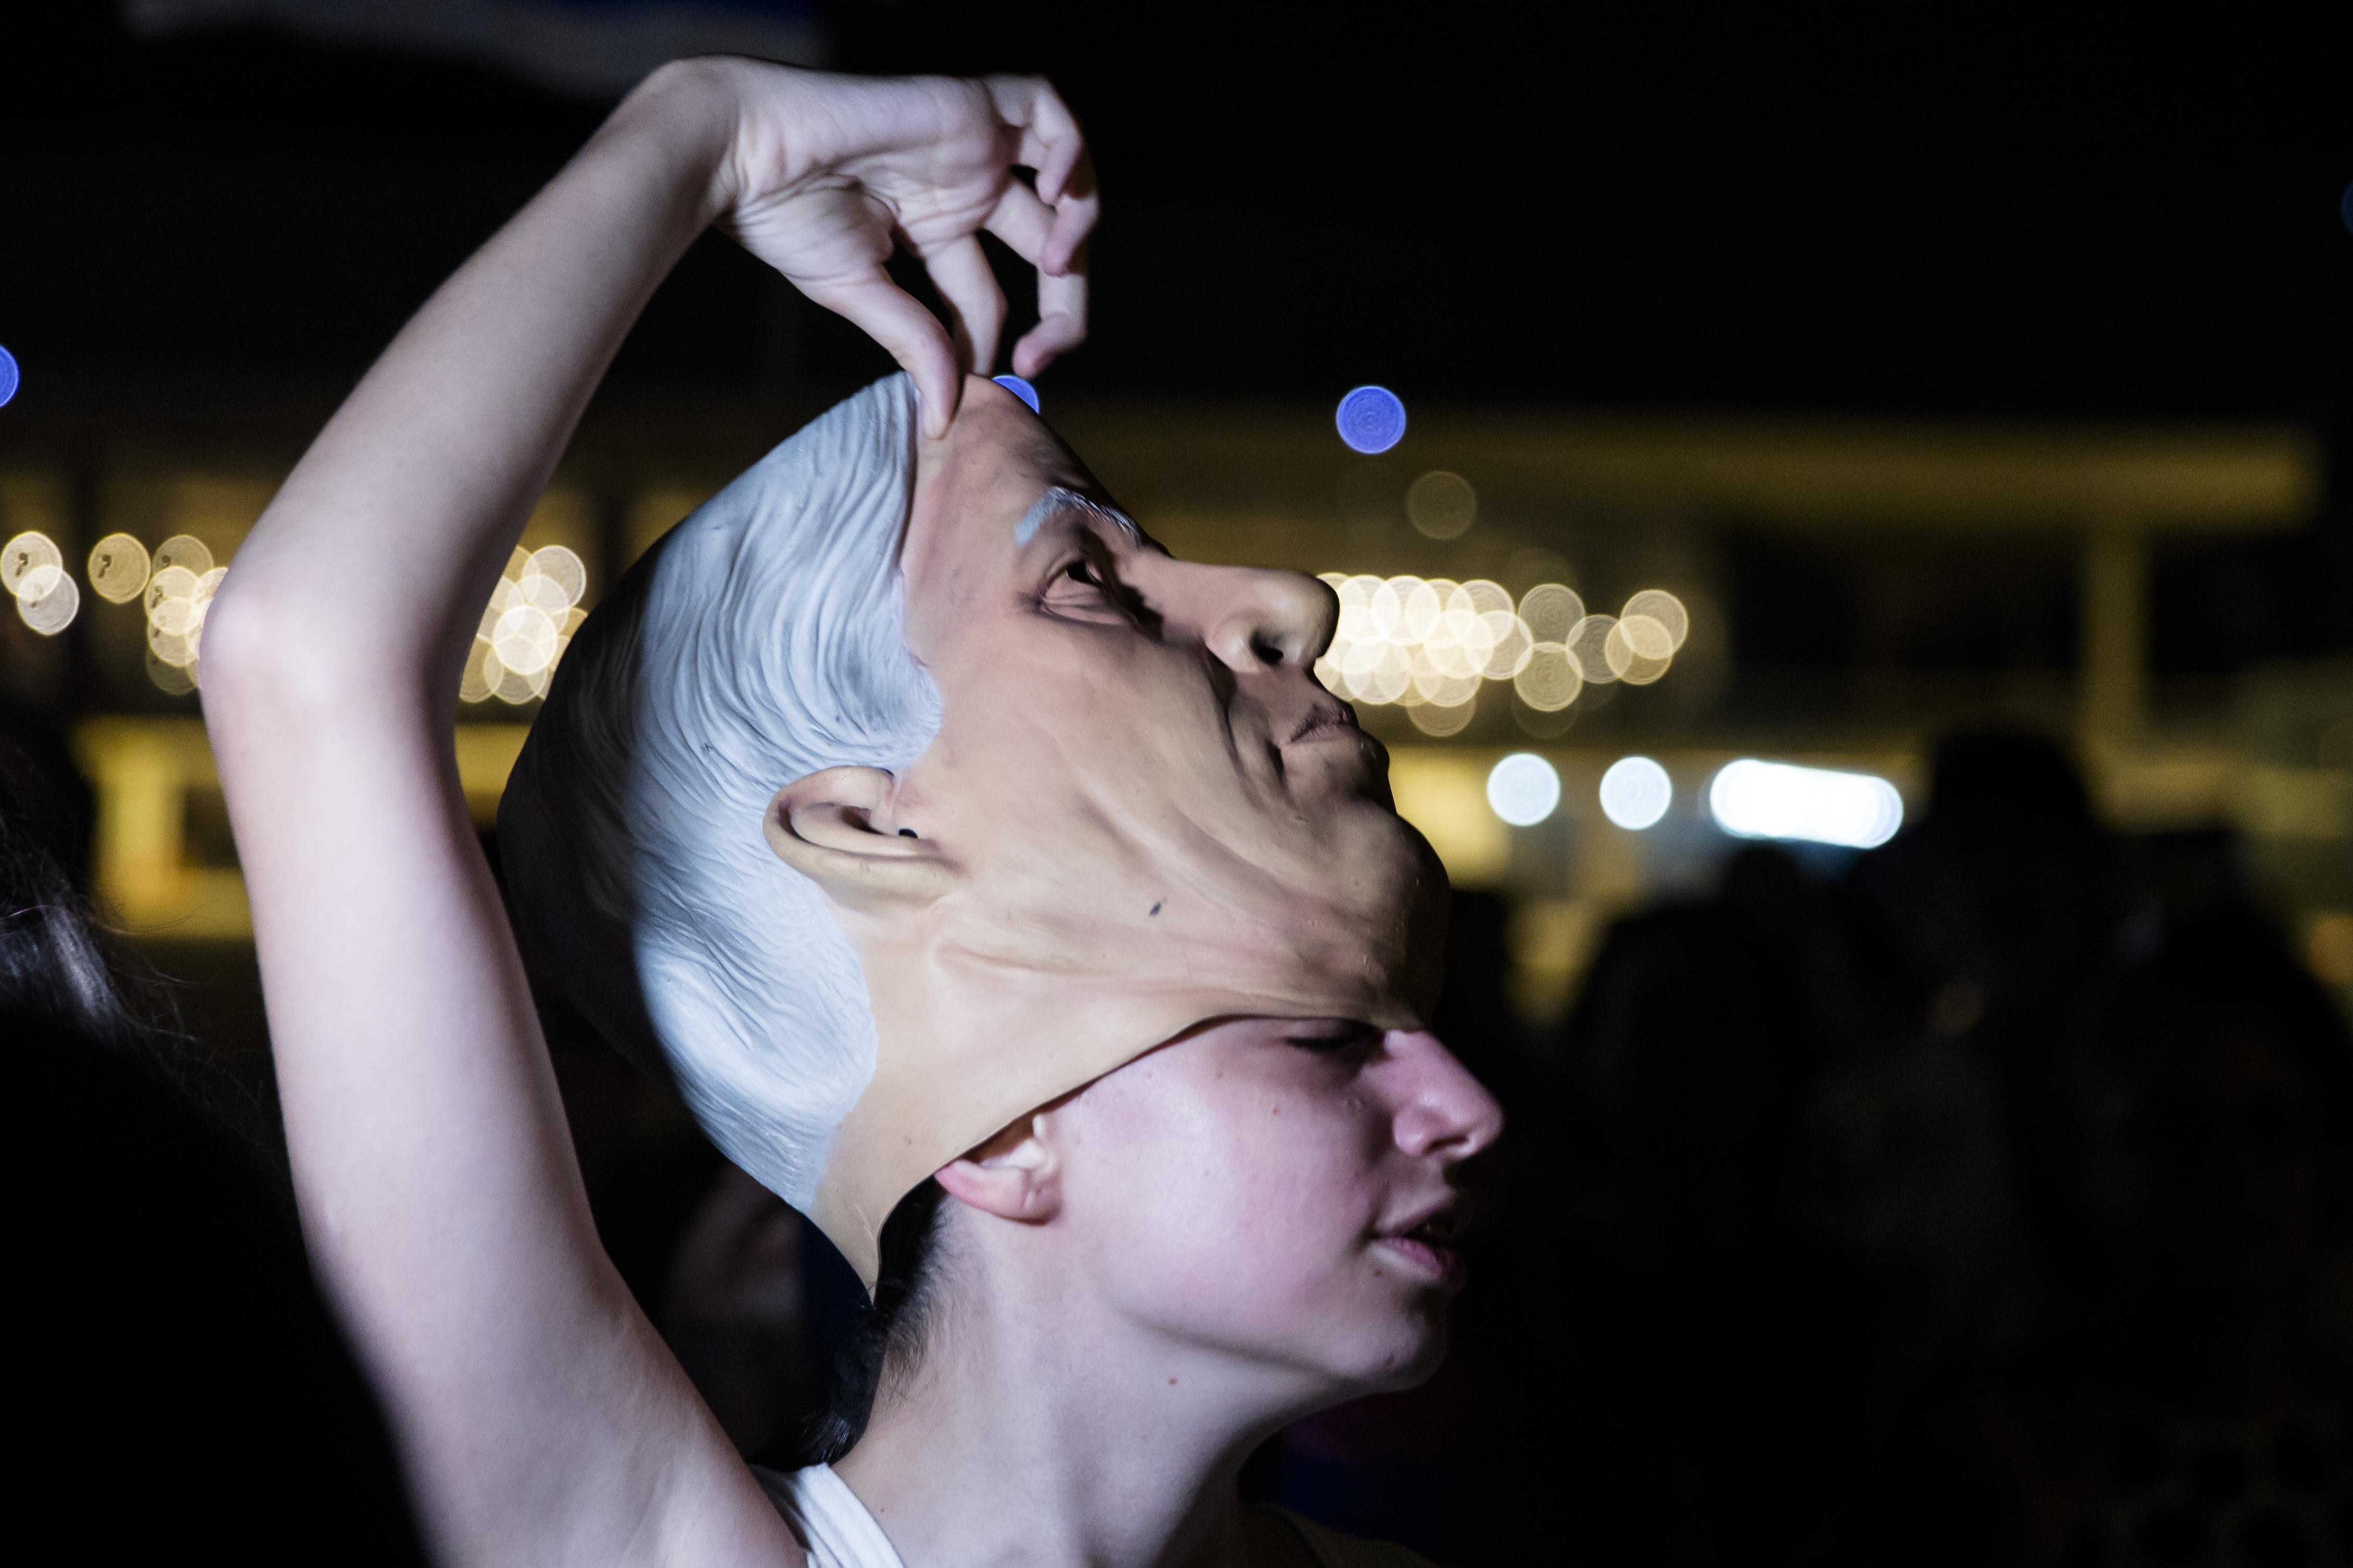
<point>823,826</point>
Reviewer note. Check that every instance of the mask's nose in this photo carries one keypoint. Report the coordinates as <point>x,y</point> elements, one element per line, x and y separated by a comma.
<point>1267,619</point>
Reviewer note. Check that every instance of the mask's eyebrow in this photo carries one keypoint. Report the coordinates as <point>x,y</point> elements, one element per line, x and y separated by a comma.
<point>1055,499</point>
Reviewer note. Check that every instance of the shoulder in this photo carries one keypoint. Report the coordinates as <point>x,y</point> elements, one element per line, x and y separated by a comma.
<point>1324,1548</point>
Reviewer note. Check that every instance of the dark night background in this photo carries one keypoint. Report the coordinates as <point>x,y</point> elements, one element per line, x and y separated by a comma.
<point>1950,210</point>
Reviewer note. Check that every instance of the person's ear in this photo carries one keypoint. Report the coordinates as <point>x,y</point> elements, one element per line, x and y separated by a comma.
<point>1015,1175</point>
<point>823,826</point>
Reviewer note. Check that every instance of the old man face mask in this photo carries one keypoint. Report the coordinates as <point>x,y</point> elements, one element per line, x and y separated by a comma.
<point>908,785</point>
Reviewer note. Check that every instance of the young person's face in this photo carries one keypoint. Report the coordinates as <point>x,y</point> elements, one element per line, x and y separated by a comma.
<point>1274,1193</point>
<point>1140,812</point>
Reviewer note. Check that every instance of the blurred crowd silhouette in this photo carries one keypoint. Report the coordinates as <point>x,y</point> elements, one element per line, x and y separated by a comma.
<point>1983,1198</point>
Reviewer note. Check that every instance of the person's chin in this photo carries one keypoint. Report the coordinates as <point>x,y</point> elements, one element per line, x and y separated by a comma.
<point>1419,1348</point>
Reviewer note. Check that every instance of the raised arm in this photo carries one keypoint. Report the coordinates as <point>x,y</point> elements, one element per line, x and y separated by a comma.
<point>539,1414</point>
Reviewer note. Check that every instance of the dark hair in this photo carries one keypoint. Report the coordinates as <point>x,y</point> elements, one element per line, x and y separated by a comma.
<point>57,963</point>
<point>127,1194</point>
<point>889,1341</point>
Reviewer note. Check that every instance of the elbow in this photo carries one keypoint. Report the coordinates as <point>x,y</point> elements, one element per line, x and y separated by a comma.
<point>266,650</point>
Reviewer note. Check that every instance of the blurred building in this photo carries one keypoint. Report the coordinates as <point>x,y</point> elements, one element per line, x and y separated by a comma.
<point>1827,593</point>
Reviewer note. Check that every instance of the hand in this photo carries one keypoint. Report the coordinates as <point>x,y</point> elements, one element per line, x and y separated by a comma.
<point>827,175</point>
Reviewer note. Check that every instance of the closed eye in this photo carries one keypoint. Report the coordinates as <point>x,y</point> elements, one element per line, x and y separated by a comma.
<point>1335,1039</point>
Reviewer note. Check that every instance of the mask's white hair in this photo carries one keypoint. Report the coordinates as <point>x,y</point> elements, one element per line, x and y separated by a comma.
<point>760,642</point>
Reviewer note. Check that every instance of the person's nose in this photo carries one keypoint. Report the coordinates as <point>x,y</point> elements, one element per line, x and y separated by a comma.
<point>1442,1109</point>
<point>1255,620</point>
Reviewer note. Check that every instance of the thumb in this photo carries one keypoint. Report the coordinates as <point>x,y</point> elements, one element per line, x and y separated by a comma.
<point>910,333</point>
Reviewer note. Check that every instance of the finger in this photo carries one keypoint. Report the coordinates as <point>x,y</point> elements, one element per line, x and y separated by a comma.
<point>1061,321</point>
<point>911,334</point>
<point>1023,221</point>
<point>975,304</point>
<point>1028,224</point>
<point>1074,221</point>
<point>1051,143</point>
<point>1046,237</point>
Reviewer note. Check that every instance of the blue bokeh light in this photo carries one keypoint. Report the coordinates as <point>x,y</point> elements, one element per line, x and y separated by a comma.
<point>9,378</point>
<point>1371,419</point>
<point>1018,388</point>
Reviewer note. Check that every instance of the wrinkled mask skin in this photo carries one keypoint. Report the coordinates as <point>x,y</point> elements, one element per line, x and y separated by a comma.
<point>1141,812</point>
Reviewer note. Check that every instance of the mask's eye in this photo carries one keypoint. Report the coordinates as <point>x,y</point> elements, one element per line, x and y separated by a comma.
<point>1083,571</point>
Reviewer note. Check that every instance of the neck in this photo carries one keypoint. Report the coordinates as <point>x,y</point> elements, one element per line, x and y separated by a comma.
<point>1051,1433</point>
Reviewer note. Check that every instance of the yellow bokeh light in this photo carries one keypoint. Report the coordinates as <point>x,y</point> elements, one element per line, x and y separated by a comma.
<point>1649,638</point>
<point>1625,657</point>
<point>525,639</point>
<point>1550,679</point>
<point>184,550</point>
<point>177,594</point>
<point>1389,675</point>
<point>26,554</point>
<point>514,687</point>
<point>175,648</point>
<point>172,679</point>
<point>1442,505</point>
<point>119,566</point>
<point>1444,719</point>
<point>48,601</point>
<point>1427,643</point>
<point>1551,611</point>
<point>170,583</point>
<point>1664,607</point>
<point>1443,689</point>
<point>480,677</point>
<point>1424,603</point>
<point>1509,643</point>
<point>173,618</point>
<point>1487,596</point>
<point>544,594</point>
<point>562,567</point>
<point>1588,643</point>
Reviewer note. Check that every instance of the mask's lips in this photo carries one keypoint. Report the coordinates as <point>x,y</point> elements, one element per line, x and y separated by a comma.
<point>1325,719</point>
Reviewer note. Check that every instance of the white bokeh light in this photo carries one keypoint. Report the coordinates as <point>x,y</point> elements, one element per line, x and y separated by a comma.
<point>1523,789</point>
<point>1636,793</point>
<point>1752,799</point>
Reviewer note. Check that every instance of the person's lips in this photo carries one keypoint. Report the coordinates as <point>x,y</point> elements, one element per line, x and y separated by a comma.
<point>1430,1244</point>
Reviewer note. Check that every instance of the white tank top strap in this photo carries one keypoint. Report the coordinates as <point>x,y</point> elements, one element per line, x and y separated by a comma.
<point>833,1526</point>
